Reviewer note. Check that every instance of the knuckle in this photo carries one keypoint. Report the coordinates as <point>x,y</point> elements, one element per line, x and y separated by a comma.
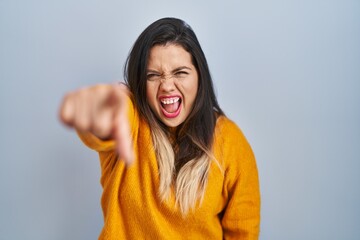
<point>82,123</point>
<point>101,129</point>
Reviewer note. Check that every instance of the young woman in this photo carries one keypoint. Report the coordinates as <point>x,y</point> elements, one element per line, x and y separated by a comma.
<point>173,166</point>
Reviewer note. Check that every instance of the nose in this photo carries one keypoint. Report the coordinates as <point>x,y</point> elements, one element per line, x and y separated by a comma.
<point>167,84</point>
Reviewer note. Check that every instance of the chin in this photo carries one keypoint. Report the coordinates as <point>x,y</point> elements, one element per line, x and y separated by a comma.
<point>171,124</point>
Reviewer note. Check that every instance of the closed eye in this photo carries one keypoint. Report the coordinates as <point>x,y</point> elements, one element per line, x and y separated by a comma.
<point>181,73</point>
<point>152,76</point>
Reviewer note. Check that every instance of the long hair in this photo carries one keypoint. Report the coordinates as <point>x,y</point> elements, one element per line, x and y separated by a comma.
<point>185,161</point>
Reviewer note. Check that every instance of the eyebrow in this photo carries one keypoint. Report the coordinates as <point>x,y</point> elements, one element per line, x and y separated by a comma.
<point>181,68</point>
<point>173,71</point>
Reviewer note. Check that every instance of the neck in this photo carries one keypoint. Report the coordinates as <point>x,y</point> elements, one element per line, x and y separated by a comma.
<point>172,130</point>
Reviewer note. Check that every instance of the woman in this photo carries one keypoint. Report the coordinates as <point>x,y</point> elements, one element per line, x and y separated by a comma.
<point>172,165</point>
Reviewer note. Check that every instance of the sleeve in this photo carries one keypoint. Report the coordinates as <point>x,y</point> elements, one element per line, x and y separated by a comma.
<point>241,217</point>
<point>96,143</point>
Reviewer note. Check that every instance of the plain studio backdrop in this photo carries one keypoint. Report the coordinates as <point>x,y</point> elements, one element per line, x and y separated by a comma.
<point>287,72</point>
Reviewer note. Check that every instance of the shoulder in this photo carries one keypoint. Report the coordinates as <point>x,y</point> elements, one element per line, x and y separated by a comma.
<point>229,130</point>
<point>231,145</point>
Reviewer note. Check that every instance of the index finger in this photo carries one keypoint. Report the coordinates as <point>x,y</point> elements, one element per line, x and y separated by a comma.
<point>122,130</point>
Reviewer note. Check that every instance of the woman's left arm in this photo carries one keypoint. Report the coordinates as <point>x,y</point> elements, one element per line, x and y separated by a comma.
<point>241,217</point>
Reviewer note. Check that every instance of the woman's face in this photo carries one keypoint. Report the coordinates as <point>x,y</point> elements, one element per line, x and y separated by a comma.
<point>172,83</point>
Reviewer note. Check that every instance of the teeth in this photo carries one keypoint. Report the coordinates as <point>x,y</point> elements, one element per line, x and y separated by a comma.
<point>170,100</point>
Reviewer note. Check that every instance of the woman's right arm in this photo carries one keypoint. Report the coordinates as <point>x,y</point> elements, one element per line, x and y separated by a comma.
<point>102,111</point>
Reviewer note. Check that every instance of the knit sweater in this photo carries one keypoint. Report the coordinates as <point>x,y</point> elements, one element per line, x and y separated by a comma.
<point>131,204</point>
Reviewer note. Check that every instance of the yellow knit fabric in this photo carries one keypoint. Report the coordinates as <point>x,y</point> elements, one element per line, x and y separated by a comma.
<point>133,210</point>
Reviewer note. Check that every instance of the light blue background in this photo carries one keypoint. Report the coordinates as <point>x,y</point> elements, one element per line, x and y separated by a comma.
<point>288,72</point>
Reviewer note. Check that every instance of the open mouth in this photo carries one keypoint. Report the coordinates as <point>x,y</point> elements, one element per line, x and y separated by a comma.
<point>170,106</point>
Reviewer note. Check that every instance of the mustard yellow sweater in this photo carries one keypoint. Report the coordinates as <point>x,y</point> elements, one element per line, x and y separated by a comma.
<point>133,210</point>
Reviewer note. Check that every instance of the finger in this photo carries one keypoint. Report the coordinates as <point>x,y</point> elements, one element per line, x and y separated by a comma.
<point>82,114</point>
<point>102,122</point>
<point>67,110</point>
<point>122,131</point>
<point>102,111</point>
<point>124,141</point>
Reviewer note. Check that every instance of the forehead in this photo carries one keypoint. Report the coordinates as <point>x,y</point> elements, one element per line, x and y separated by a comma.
<point>169,56</point>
